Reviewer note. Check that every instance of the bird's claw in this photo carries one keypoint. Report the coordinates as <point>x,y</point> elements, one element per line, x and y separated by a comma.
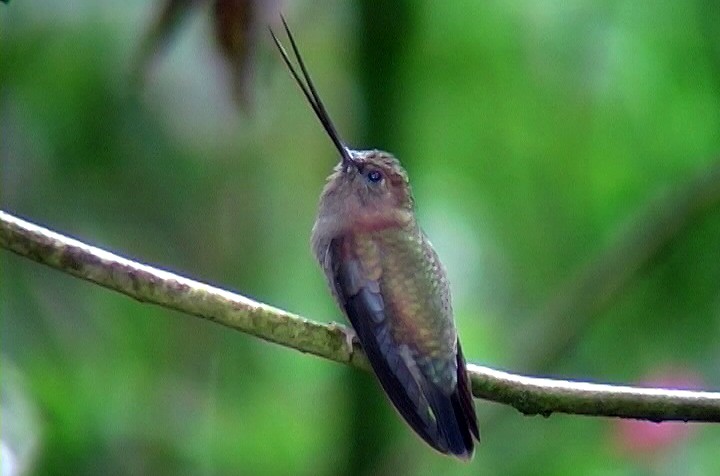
<point>348,333</point>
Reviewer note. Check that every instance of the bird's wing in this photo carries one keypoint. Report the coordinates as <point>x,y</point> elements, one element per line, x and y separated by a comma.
<point>443,417</point>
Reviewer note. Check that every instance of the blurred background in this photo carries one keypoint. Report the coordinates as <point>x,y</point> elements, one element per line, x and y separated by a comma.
<point>565,161</point>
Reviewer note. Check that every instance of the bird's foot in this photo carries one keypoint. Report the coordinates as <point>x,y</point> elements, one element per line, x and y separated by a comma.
<point>349,333</point>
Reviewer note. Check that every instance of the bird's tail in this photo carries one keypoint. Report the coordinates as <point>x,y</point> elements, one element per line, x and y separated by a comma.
<point>456,418</point>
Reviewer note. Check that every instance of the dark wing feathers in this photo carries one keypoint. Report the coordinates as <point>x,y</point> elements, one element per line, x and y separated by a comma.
<point>463,399</point>
<point>365,309</point>
<point>446,422</point>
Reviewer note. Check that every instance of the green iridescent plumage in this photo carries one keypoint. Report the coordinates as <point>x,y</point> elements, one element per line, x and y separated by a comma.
<point>416,293</point>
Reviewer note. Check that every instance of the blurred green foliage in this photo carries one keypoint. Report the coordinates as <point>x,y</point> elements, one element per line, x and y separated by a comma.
<point>534,133</point>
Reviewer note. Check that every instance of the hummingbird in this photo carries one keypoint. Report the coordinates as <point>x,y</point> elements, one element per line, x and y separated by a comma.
<point>390,284</point>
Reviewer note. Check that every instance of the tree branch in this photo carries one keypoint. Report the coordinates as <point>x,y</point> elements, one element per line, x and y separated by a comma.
<point>527,394</point>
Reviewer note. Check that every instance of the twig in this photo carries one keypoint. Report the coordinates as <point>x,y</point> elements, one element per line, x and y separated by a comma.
<point>147,284</point>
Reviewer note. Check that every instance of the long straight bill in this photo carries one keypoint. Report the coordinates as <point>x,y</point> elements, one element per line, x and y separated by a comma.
<point>311,94</point>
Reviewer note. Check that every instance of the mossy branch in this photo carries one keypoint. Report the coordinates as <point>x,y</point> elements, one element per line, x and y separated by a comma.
<point>527,394</point>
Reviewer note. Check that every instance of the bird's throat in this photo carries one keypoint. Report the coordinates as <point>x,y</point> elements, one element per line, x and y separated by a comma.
<point>377,220</point>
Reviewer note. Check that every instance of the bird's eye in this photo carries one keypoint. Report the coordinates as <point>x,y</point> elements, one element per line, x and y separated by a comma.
<point>374,176</point>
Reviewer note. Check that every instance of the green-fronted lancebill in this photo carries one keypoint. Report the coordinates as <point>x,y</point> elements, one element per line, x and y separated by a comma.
<point>390,284</point>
